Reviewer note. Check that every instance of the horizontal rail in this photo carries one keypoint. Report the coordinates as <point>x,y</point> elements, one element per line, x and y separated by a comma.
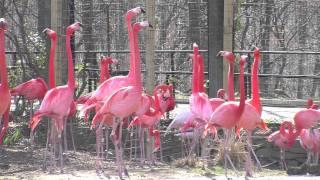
<point>118,51</point>
<point>280,52</point>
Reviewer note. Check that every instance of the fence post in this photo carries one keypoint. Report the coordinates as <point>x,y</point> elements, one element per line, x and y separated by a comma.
<point>215,44</point>
<point>150,67</point>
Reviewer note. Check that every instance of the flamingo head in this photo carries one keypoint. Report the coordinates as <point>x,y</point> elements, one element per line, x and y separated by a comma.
<point>164,97</point>
<point>73,27</point>
<point>242,60</point>
<point>143,24</point>
<point>195,48</point>
<point>52,34</point>
<point>106,60</point>
<point>227,55</point>
<point>3,24</point>
<point>221,93</point>
<point>256,53</point>
<point>134,12</point>
<point>309,103</point>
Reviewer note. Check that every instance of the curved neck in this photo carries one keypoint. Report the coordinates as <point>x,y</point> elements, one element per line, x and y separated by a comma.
<point>3,66</point>
<point>137,59</point>
<point>52,82</point>
<point>242,91</point>
<point>104,72</point>
<point>131,46</point>
<point>201,76</point>
<point>71,81</point>
<point>255,84</point>
<point>231,82</point>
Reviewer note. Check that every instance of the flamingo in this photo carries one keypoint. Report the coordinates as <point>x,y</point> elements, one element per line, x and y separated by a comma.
<point>104,75</point>
<point>284,139</point>
<point>4,86</point>
<point>306,118</point>
<point>200,105</point>
<point>251,117</point>
<point>124,101</point>
<point>310,141</point>
<point>110,86</point>
<point>228,114</point>
<point>164,102</point>
<point>57,101</point>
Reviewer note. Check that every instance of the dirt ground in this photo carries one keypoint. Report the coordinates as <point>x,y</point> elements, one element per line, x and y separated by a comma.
<point>19,163</point>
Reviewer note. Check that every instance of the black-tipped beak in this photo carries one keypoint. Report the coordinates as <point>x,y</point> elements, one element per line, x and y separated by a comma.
<point>219,53</point>
<point>150,26</point>
<point>80,25</point>
<point>253,47</point>
<point>45,30</point>
<point>3,24</point>
<point>142,10</point>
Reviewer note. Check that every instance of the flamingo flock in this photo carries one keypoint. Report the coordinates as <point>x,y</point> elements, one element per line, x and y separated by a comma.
<point>120,102</point>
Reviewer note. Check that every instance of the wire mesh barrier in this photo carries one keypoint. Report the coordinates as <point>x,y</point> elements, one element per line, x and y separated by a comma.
<point>286,31</point>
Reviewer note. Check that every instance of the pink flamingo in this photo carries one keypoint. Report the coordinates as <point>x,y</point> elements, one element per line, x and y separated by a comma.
<point>164,102</point>
<point>310,141</point>
<point>56,103</point>
<point>228,114</point>
<point>113,84</point>
<point>4,86</point>
<point>251,117</point>
<point>284,139</point>
<point>200,105</point>
<point>125,101</point>
<point>104,75</point>
<point>306,118</point>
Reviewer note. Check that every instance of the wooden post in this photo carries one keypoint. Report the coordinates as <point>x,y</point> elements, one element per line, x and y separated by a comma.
<point>215,44</point>
<point>227,37</point>
<point>150,67</point>
<point>150,45</point>
<point>58,21</point>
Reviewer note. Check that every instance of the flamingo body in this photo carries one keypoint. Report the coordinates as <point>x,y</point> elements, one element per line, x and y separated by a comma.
<point>31,90</point>
<point>306,118</point>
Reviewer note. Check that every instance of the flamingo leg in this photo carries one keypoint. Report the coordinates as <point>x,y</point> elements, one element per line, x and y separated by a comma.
<point>282,159</point>
<point>123,167</point>
<point>60,152</point>
<point>135,142</point>
<point>72,138</point>
<point>64,134</point>
<point>31,132</point>
<point>131,143</point>
<point>141,141</point>
<point>107,142</point>
<point>98,147</point>
<point>47,146</point>
<point>226,152</point>
<point>115,141</point>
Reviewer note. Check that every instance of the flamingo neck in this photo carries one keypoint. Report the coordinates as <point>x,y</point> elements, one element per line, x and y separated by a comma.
<point>131,46</point>
<point>242,91</point>
<point>137,61</point>
<point>255,85</point>
<point>195,87</point>
<point>104,72</point>
<point>3,66</point>
<point>201,76</point>
<point>71,81</point>
<point>231,82</point>
<point>52,82</point>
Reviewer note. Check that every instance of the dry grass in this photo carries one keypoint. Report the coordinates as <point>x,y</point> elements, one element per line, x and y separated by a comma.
<point>237,152</point>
